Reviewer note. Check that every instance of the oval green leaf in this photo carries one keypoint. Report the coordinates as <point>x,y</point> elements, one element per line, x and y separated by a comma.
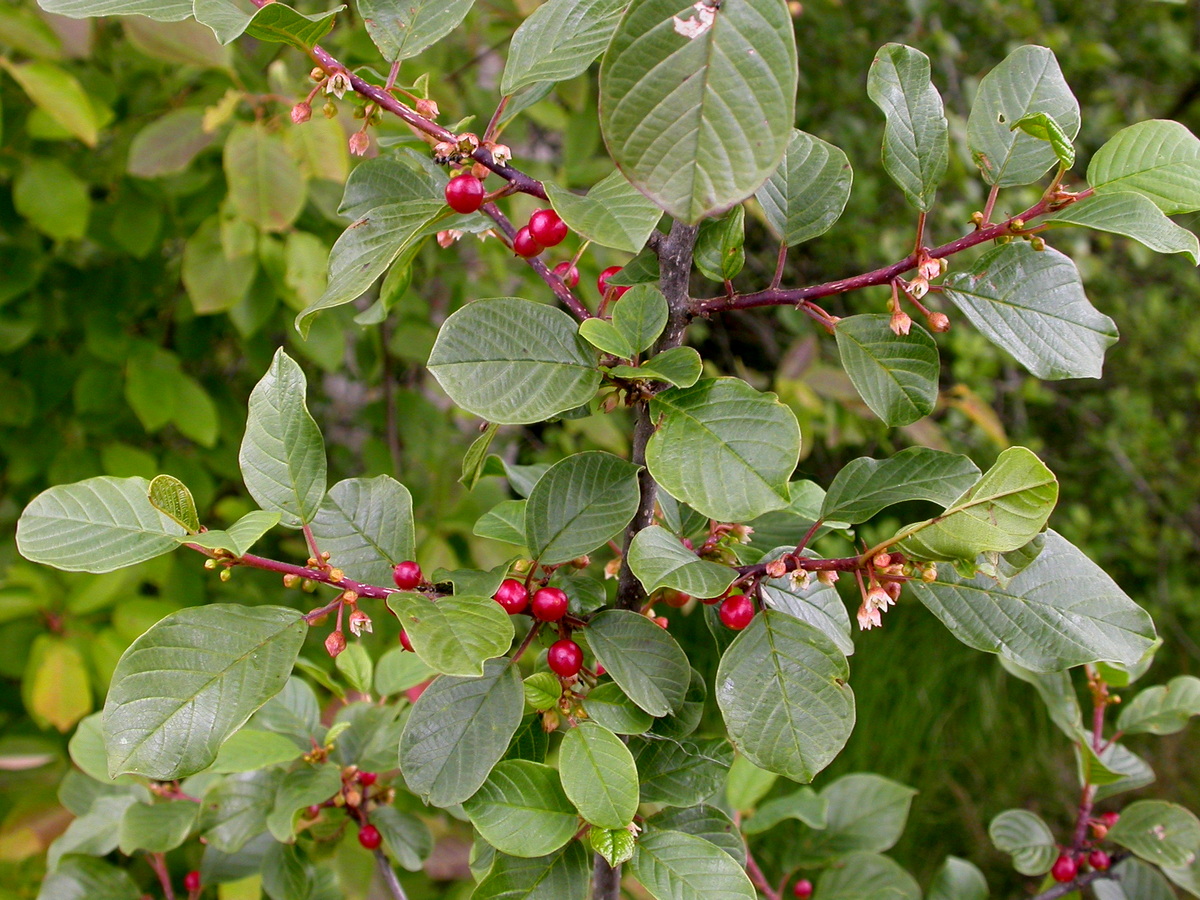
<point>457,634</point>
<point>808,192</point>
<point>895,374</point>
<point>599,775</point>
<point>366,526</point>
<point>642,658</point>
<point>672,865</point>
<point>522,810</point>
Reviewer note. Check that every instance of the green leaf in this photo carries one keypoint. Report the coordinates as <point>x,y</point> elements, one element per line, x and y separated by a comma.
<point>398,670</point>
<point>1158,159</point>
<point>215,283</point>
<point>1187,877</point>
<point>895,374</point>
<point>804,805</point>
<point>607,705</point>
<point>514,362</point>
<point>808,192</point>
<point>749,441</point>
<point>564,873</point>
<point>97,525</point>
<point>355,666</point>
<point>1135,772</point>
<point>580,503</point>
<point>1026,838</point>
<point>781,687</point>
<point>542,691</point>
<point>679,366</point>
<point>635,325</point>
<point>747,784</point>
<point>615,844</point>
<point>1132,215</point>
<point>614,213</point>
<point>697,102</point>
<point>266,186</point>
<point>599,775</point>
<point>1164,834</point>
<point>53,198</point>
<point>458,730</point>
<point>160,10</point>
<point>720,245</point>
<point>1031,303</point>
<point>406,837</point>
<point>168,144</point>
<point>95,833</point>
<point>56,687</point>
<point>59,95</point>
<point>672,865</point>
<point>171,497</point>
<point>1028,81</point>
<point>1044,128</point>
<point>865,812</point>
<point>235,808</point>
<point>658,559</point>
<point>1062,611</point>
<point>503,522</point>
<point>1162,709</point>
<point>403,28</point>
<point>286,873</point>
<point>958,879</point>
<point>559,41</point>
<point>84,878</point>
<point>366,526</point>
<point>240,536</point>
<point>681,773</point>
<point>706,822</point>
<point>192,680</point>
<point>157,828</point>
<point>864,487</point>
<point>274,22</point>
<point>916,141</point>
<point>1004,510</point>
<point>521,810</point>
<point>300,789</point>
<point>642,658</point>
<point>860,876</point>
<point>1132,879</point>
<point>283,455</point>
<point>250,749</point>
<point>817,604</point>
<point>457,634</point>
<point>475,458</point>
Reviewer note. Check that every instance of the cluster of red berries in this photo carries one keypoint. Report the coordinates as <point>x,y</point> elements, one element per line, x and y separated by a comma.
<point>1067,866</point>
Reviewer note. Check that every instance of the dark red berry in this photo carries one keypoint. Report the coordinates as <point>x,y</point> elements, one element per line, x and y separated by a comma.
<point>314,811</point>
<point>737,611</point>
<point>525,244</point>
<point>1098,859</point>
<point>547,228</point>
<point>1110,818</point>
<point>370,837</point>
<point>191,881</point>
<point>675,599</point>
<point>366,779</point>
<point>464,193</point>
<point>568,273</point>
<point>600,670</point>
<point>602,282</point>
<point>1064,869</point>
<point>512,596</point>
<point>407,575</point>
<point>405,641</point>
<point>549,604</point>
<point>803,889</point>
<point>565,658</point>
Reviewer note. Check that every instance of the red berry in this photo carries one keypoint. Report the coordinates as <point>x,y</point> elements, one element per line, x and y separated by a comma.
<point>568,273</point>
<point>803,889</point>
<point>1098,859</point>
<point>525,244</point>
<point>549,604</point>
<point>675,599</point>
<point>464,193</point>
<point>600,670</point>
<point>602,282</point>
<point>512,596</point>
<point>191,881</point>
<point>547,228</point>
<point>314,811</point>
<point>407,575</point>
<point>737,611</point>
<point>405,641</point>
<point>366,779</point>
<point>565,658</point>
<point>370,837</point>
<point>661,621</point>
<point>1110,818</point>
<point>1064,869</point>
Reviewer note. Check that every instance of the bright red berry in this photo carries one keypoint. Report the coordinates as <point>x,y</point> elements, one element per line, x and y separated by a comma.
<point>191,881</point>
<point>549,604</point>
<point>405,641</point>
<point>525,244</point>
<point>366,779</point>
<point>464,193</point>
<point>1064,869</point>
<point>407,575</point>
<point>547,228</point>
<point>1110,818</point>
<point>602,282</point>
<point>565,658</point>
<point>600,670</point>
<point>661,621</point>
<point>512,596</point>
<point>370,837</point>
<point>1100,860</point>
<point>568,273</point>
<point>737,611</point>
<point>803,889</point>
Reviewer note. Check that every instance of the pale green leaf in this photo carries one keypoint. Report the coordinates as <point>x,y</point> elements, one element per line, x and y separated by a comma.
<point>1026,838</point>
<point>1044,128</point>
<point>804,805</point>
<point>1158,159</point>
<point>672,865</point>
<point>503,522</point>
<point>403,28</point>
<point>299,789</point>
<point>867,876</point>
<point>1136,880</point>
<point>895,374</point>
<point>406,837</point>
<point>84,878</point>
<point>60,95</point>
<point>808,192</point>
<point>958,879</point>
<point>1161,833</point>
<point>167,145</point>
<point>679,366</point>
<point>522,810</point>
<point>1132,215</point>
<point>266,186</point>
<point>366,527</point>
<point>747,784</point>
<point>720,245</point>
<point>697,102</point>
<point>614,844</point>
<point>813,602</point>
<point>658,559</point>
<point>613,213</point>
<point>161,10</point>
<point>864,487</point>
<point>274,22</point>
<point>240,536</point>
<point>607,705</point>
<point>1162,709</point>
<point>171,497</point>
<point>642,658</point>
<point>53,198</point>
<point>250,749</point>
<point>560,875</point>
<point>457,634</point>
<point>580,503</point>
<point>156,828</point>
<point>559,41</point>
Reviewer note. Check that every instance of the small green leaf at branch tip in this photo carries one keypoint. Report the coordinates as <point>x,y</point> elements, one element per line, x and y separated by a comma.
<point>171,497</point>
<point>658,559</point>
<point>239,537</point>
<point>1026,838</point>
<point>273,22</point>
<point>616,845</point>
<point>1044,128</point>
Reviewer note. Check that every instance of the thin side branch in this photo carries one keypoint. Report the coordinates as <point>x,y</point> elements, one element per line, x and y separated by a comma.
<point>556,284</point>
<point>389,876</point>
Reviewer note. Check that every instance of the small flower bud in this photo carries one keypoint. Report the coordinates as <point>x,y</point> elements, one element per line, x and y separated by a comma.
<point>1016,225</point>
<point>316,74</point>
<point>359,143</point>
<point>521,566</point>
<point>893,589</point>
<point>210,564</point>
<point>338,84</point>
<point>336,574</point>
<point>929,574</point>
<point>301,113</point>
<point>828,577</point>
<point>776,568</point>
<point>353,797</point>
<point>612,567</point>
<point>226,574</point>
<point>977,219</point>
<point>428,109</point>
<point>901,321</point>
<point>308,586</point>
<point>448,238</point>
<point>291,581</point>
<point>335,643</point>
<point>1037,243</point>
<point>581,562</point>
<point>329,110</point>
<point>918,287</point>
<point>943,265</point>
<point>938,322</point>
<point>549,721</point>
<point>360,622</point>
<point>883,560</point>
<point>741,533</point>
